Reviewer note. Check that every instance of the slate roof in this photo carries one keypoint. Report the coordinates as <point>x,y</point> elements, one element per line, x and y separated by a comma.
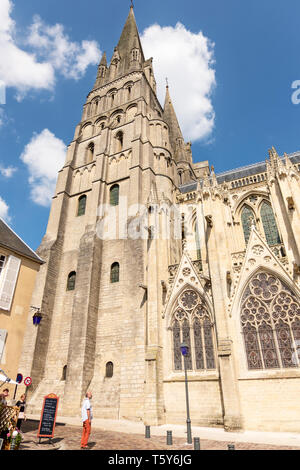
<point>237,173</point>
<point>10,240</point>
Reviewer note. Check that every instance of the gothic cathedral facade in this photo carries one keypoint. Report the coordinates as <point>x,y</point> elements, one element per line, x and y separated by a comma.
<point>145,250</point>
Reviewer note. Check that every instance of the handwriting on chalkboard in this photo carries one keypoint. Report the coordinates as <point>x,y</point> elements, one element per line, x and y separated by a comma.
<point>48,416</point>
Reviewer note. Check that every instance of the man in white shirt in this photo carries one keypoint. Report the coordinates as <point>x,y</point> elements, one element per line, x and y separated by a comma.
<point>87,416</point>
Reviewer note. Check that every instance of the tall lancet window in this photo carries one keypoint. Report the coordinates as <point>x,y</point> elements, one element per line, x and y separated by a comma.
<point>270,320</point>
<point>90,152</point>
<point>192,324</point>
<point>269,224</point>
<point>114,195</point>
<point>197,242</point>
<point>119,141</point>
<point>248,218</point>
<point>81,205</point>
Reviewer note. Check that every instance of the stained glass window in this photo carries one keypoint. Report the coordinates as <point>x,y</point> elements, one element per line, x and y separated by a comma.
<point>192,325</point>
<point>270,318</point>
<point>81,205</point>
<point>114,195</point>
<point>176,346</point>
<point>247,218</point>
<point>269,224</point>
<point>197,240</point>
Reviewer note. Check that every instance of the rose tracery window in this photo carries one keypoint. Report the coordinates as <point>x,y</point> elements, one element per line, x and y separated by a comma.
<point>270,319</point>
<point>191,323</point>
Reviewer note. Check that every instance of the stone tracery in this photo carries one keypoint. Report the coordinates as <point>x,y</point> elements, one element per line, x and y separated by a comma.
<point>270,319</point>
<point>192,324</point>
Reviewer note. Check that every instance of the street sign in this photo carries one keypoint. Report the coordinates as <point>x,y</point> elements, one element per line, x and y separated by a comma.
<point>28,381</point>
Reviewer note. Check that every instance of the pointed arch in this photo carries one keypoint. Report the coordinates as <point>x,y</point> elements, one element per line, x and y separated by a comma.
<point>270,320</point>
<point>191,322</point>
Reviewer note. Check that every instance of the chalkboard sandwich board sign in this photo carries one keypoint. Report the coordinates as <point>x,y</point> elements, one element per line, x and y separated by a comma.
<point>48,416</point>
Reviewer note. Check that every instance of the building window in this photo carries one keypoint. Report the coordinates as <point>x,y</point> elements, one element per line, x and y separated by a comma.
<point>114,195</point>
<point>64,373</point>
<point>71,281</point>
<point>109,372</point>
<point>90,152</point>
<point>115,273</point>
<point>270,319</point>
<point>81,206</point>
<point>248,218</point>
<point>119,141</point>
<point>269,224</point>
<point>191,323</point>
<point>2,263</point>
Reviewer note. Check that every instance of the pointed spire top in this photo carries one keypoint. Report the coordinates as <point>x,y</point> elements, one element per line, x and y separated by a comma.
<point>103,59</point>
<point>171,119</point>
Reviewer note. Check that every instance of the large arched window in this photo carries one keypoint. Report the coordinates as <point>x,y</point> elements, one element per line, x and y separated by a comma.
<point>248,218</point>
<point>269,224</point>
<point>71,281</point>
<point>191,323</point>
<point>258,211</point>
<point>114,195</point>
<point>81,205</point>
<point>270,319</point>
<point>115,273</point>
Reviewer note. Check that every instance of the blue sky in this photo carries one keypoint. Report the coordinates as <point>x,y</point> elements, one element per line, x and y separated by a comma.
<point>251,51</point>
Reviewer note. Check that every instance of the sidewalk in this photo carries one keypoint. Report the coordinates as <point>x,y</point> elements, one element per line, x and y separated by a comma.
<point>212,434</point>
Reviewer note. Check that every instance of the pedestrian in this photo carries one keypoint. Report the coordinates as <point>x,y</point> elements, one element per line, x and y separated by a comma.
<point>4,396</point>
<point>87,416</point>
<point>21,404</point>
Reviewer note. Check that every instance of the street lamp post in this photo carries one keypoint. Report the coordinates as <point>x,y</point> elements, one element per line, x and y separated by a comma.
<point>184,351</point>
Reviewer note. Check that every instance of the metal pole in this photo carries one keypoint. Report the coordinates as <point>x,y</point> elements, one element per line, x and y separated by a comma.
<point>196,443</point>
<point>169,438</point>
<point>188,420</point>
<point>147,432</point>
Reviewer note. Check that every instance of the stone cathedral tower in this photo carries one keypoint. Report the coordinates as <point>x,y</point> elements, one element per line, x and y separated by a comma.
<point>145,249</point>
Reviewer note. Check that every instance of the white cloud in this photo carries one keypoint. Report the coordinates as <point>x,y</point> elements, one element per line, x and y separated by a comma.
<point>7,172</point>
<point>69,58</point>
<point>51,52</point>
<point>4,208</point>
<point>187,60</point>
<point>44,156</point>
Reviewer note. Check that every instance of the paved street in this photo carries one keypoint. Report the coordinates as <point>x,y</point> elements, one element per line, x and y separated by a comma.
<point>67,437</point>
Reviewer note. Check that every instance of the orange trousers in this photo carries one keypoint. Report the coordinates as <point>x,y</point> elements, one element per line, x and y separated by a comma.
<point>86,433</point>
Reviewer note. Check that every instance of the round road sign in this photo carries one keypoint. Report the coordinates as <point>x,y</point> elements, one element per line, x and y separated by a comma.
<point>28,381</point>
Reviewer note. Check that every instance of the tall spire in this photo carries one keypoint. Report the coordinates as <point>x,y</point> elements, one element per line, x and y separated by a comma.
<point>129,41</point>
<point>170,117</point>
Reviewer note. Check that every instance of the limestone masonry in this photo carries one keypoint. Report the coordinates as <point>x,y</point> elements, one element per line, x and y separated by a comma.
<point>145,249</point>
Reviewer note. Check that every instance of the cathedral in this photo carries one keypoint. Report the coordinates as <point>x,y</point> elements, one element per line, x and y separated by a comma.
<point>146,250</point>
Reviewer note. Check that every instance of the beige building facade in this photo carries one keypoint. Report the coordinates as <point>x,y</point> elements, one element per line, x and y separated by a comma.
<point>19,266</point>
<point>145,250</point>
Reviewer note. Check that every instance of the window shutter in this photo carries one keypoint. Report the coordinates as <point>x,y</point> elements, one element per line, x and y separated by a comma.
<point>3,334</point>
<point>9,279</point>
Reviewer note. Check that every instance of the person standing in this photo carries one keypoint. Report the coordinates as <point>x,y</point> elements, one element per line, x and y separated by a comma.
<point>21,404</point>
<point>87,416</point>
<point>4,396</point>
